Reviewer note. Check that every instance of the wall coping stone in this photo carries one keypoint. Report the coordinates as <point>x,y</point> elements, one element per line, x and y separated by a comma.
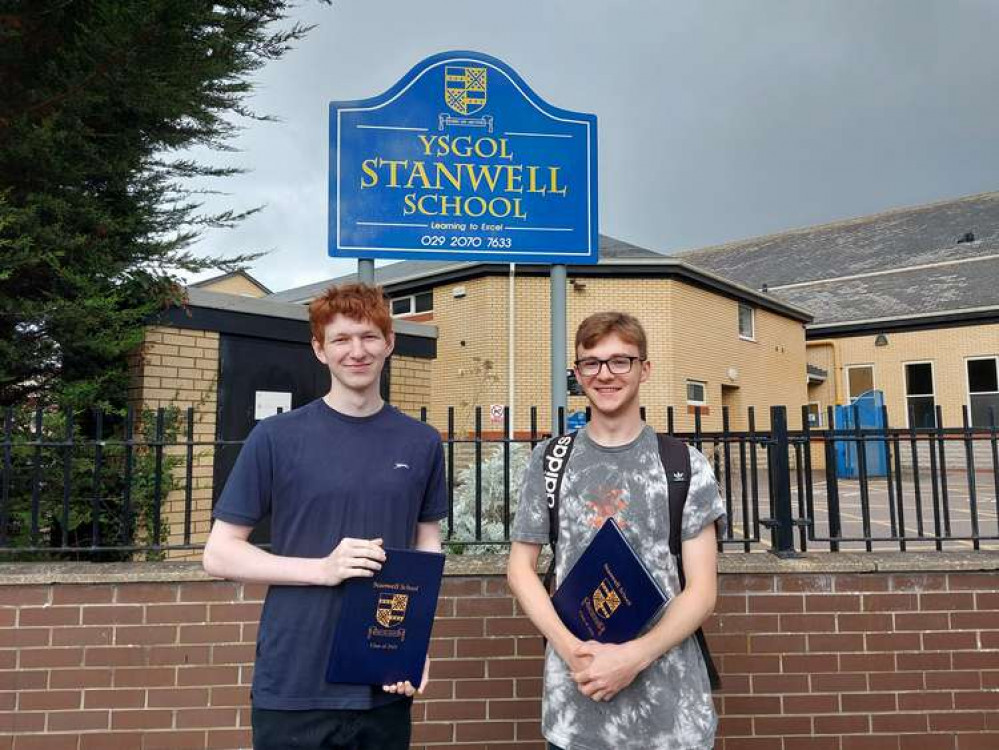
<point>14,574</point>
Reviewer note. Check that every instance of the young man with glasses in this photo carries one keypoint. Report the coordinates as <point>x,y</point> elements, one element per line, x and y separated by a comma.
<point>652,692</point>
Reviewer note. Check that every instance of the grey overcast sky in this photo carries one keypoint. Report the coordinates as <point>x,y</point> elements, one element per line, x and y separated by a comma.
<point>717,120</point>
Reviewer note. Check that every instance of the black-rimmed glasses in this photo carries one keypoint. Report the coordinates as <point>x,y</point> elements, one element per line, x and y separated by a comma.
<point>618,365</point>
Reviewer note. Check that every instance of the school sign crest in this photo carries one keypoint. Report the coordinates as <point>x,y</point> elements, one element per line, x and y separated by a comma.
<point>465,88</point>
<point>461,160</point>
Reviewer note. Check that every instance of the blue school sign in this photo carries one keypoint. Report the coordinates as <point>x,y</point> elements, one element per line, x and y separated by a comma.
<point>460,160</point>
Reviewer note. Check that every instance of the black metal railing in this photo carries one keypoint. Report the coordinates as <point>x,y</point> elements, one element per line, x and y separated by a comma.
<point>116,486</point>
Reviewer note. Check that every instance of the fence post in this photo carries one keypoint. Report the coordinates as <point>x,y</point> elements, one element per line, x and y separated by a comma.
<point>832,482</point>
<point>782,525</point>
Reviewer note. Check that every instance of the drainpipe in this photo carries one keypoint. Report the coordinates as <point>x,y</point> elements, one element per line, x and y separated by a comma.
<point>836,363</point>
<point>511,386</point>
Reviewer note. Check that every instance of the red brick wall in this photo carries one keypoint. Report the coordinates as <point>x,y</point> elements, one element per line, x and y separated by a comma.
<point>836,660</point>
<point>892,661</point>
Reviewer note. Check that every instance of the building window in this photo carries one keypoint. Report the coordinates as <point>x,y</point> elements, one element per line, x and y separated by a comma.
<point>859,380</point>
<point>697,393</point>
<point>814,414</point>
<point>747,323</point>
<point>983,391</point>
<point>412,304</point>
<point>423,302</point>
<point>920,404</point>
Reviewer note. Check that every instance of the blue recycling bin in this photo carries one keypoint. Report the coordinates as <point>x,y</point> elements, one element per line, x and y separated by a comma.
<point>867,410</point>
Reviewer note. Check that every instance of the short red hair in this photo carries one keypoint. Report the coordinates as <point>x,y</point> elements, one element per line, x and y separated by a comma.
<point>359,302</point>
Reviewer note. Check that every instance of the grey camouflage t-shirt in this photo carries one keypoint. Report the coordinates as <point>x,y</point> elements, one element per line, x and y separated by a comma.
<point>669,704</point>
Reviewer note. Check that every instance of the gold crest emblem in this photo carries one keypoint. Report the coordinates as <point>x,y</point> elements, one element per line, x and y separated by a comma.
<point>391,609</point>
<point>605,600</point>
<point>465,88</point>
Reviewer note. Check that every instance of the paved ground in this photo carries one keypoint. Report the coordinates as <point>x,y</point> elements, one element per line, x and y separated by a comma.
<point>959,512</point>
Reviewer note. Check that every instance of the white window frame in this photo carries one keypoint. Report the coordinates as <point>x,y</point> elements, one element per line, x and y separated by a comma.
<point>412,305</point>
<point>752,322</point>
<point>846,377</point>
<point>933,383</point>
<point>820,422</point>
<point>967,380</point>
<point>704,388</point>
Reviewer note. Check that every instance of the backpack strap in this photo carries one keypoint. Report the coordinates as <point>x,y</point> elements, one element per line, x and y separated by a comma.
<point>676,462</point>
<point>555,460</point>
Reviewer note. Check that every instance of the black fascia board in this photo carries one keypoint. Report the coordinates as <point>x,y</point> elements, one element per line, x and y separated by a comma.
<point>196,318</point>
<point>650,271</point>
<point>926,323</point>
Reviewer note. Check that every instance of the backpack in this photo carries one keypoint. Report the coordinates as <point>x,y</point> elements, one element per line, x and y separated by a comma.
<point>676,462</point>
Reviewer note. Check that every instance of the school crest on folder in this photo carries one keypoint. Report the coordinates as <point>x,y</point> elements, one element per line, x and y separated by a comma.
<point>605,600</point>
<point>465,88</point>
<point>391,609</point>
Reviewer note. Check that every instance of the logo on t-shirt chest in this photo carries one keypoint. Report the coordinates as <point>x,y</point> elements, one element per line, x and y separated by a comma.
<point>606,502</point>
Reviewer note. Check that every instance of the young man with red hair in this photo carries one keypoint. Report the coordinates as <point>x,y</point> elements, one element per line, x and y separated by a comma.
<point>653,692</point>
<point>342,478</point>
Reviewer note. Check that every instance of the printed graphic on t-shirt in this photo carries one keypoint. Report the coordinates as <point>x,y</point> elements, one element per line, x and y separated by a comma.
<point>604,503</point>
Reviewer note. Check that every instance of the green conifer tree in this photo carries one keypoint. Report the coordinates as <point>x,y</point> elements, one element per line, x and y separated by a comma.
<point>98,99</point>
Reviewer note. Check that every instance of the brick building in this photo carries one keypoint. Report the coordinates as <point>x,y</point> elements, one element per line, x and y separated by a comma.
<point>903,301</point>
<point>712,342</point>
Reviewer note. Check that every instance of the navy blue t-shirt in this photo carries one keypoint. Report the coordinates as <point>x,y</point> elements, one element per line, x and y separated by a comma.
<point>323,476</point>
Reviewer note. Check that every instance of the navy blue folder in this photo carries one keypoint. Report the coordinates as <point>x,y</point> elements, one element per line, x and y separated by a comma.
<point>608,595</point>
<point>383,632</point>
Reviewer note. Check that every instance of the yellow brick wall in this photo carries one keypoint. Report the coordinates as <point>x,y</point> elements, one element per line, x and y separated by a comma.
<point>471,364</point>
<point>946,348</point>
<point>179,368</point>
<point>238,285</point>
<point>704,344</point>
<point>410,384</point>
<point>693,333</point>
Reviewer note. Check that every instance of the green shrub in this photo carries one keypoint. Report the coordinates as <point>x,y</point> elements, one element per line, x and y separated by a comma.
<point>492,501</point>
<point>110,508</point>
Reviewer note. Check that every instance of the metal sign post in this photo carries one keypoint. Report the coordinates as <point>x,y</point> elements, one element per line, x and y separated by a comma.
<point>511,353</point>
<point>366,271</point>
<point>558,281</point>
